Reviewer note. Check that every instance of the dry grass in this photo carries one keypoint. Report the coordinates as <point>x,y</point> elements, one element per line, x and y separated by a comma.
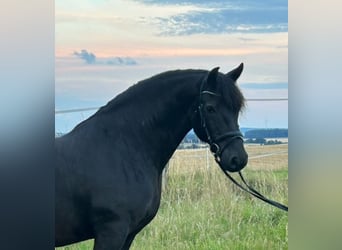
<point>190,160</point>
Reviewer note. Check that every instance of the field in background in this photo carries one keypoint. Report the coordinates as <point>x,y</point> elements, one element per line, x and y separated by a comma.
<point>192,160</point>
<point>201,209</point>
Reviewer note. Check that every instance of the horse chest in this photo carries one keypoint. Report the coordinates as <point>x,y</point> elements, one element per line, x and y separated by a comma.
<point>147,203</point>
<point>136,199</point>
<point>146,211</point>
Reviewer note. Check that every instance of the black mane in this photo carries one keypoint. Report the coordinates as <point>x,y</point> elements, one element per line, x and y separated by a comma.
<point>149,88</point>
<point>144,93</point>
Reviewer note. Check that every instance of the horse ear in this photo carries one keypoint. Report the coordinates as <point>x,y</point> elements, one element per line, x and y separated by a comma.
<point>211,78</point>
<point>235,73</point>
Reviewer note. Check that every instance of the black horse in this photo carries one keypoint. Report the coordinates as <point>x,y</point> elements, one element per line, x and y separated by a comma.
<point>109,167</point>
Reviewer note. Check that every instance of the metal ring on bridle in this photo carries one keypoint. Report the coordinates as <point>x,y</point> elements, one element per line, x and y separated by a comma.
<point>214,148</point>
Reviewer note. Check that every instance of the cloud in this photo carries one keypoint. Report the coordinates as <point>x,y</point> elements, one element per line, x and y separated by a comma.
<point>121,61</point>
<point>173,2</point>
<point>220,3</point>
<point>225,21</point>
<point>217,17</point>
<point>90,58</point>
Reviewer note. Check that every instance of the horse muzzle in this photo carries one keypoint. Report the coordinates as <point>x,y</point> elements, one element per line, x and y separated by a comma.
<point>232,156</point>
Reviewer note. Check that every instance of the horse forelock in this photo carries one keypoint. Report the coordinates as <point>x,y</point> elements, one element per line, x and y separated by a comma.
<point>233,95</point>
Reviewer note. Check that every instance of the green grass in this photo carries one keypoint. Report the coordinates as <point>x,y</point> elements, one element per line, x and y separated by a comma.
<point>204,211</point>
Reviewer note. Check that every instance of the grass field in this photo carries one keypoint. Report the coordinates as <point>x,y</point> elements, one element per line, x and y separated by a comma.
<point>202,210</point>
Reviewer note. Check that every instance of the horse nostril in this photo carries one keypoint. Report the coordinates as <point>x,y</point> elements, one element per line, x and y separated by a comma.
<point>235,161</point>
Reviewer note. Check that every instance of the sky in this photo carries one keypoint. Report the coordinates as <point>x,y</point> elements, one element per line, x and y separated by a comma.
<point>104,46</point>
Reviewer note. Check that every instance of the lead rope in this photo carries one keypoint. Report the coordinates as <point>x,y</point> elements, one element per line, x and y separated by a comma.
<point>252,191</point>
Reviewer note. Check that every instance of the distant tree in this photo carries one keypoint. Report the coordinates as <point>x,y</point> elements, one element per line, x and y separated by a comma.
<point>256,140</point>
<point>260,140</point>
<point>267,133</point>
<point>273,142</point>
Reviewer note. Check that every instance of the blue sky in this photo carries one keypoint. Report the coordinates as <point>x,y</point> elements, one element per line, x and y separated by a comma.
<point>104,46</point>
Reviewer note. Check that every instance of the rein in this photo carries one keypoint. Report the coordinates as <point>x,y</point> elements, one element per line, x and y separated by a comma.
<point>217,151</point>
<point>253,192</point>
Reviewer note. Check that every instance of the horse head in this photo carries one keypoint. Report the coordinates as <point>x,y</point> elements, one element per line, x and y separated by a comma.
<point>216,120</point>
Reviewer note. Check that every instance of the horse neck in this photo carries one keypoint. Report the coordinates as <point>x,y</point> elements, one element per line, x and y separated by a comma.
<point>169,118</point>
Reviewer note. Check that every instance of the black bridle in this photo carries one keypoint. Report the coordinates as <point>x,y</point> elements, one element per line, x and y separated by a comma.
<point>226,139</point>
<point>215,141</point>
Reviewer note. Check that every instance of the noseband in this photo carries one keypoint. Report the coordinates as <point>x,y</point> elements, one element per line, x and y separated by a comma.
<point>226,139</point>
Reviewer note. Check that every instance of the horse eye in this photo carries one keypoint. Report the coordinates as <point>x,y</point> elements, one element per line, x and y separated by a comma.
<point>210,109</point>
